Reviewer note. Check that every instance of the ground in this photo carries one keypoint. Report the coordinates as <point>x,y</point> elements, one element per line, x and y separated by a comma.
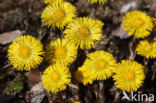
<point>24,17</point>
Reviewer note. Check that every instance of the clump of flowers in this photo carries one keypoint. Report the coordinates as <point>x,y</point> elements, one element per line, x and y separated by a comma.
<point>58,14</point>
<point>61,51</point>
<point>84,32</point>
<point>144,48</point>
<point>51,1</point>
<point>129,75</point>
<point>101,63</point>
<point>56,78</point>
<point>98,1</point>
<point>81,36</point>
<point>138,24</point>
<point>25,53</point>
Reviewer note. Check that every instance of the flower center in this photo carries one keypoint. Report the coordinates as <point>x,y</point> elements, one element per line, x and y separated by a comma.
<point>55,76</point>
<point>101,63</point>
<point>83,31</point>
<point>148,48</point>
<point>60,51</point>
<point>24,52</point>
<point>138,22</point>
<point>130,75</point>
<point>59,14</point>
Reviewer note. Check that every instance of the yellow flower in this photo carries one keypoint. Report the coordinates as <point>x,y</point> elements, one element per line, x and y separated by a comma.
<point>61,51</point>
<point>84,76</point>
<point>101,63</point>
<point>58,14</point>
<point>98,1</point>
<point>100,23</point>
<point>51,1</point>
<point>84,32</point>
<point>146,49</point>
<point>76,102</point>
<point>25,53</point>
<point>129,75</point>
<point>56,78</point>
<point>138,24</point>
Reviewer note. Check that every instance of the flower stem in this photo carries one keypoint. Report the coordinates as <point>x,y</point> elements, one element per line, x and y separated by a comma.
<point>92,14</point>
<point>146,64</point>
<point>101,92</point>
<point>131,49</point>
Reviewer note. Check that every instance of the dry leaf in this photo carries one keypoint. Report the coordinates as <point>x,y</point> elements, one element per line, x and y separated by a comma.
<point>8,37</point>
<point>121,33</point>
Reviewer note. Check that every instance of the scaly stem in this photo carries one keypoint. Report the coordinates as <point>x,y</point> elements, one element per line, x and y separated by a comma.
<point>101,92</point>
<point>49,96</point>
<point>117,97</point>
<point>92,14</point>
<point>146,64</point>
<point>131,49</point>
<point>92,93</point>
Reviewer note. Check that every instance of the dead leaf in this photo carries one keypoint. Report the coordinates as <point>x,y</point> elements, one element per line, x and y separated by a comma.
<point>6,4</point>
<point>8,37</point>
<point>37,89</point>
<point>37,99</point>
<point>33,76</point>
<point>36,94</point>
<point>121,33</point>
<point>127,6</point>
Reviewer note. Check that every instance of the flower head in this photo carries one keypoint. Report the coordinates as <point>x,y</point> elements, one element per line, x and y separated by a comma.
<point>84,76</point>
<point>98,1</point>
<point>84,32</point>
<point>56,78</point>
<point>58,14</point>
<point>61,51</point>
<point>25,53</point>
<point>101,63</point>
<point>146,49</point>
<point>99,23</point>
<point>51,1</point>
<point>138,24</point>
<point>76,102</point>
<point>129,75</point>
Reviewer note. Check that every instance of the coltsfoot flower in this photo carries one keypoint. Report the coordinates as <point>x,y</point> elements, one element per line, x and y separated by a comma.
<point>98,1</point>
<point>144,48</point>
<point>84,32</point>
<point>56,78</point>
<point>51,1</point>
<point>58,14</point>
<point>129,75</point>
<point>84,75</point>
<point>101,63</point>
<point>61,51</point>
<point>138,24</point>
<point>76,102</point>
<point>25,53</point>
